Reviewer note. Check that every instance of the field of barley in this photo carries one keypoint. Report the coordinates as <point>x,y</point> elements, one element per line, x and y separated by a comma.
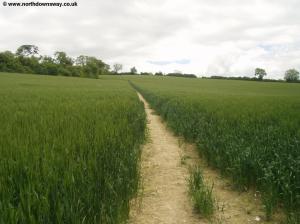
<point>250,131</point>
<point>69,149</point>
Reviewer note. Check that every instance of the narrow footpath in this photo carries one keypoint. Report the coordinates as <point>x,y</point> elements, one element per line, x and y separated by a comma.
<point>163,196</point>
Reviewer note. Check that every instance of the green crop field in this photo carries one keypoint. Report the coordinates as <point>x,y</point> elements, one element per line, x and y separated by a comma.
<point>69,149</point>
<point>249,130</point>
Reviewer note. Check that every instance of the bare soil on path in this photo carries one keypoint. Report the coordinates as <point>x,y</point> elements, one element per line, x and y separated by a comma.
<point>163,196</point>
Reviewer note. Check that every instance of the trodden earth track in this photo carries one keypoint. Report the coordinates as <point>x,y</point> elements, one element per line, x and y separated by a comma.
<point>163,196</point>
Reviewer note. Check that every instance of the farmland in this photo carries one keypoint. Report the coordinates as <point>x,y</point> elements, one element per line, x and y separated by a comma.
<point>250,131</point>
<point>69,149</point>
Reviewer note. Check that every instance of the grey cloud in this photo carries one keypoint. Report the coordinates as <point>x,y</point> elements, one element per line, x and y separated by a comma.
<point>107,28</point>
<point>136,30</point>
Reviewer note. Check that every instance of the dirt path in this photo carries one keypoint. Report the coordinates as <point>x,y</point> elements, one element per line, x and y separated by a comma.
<point>164,199</point>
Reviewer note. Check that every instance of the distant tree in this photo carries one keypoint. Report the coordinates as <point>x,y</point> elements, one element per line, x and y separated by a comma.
<point>182,75</point>
<point>146,73</point>
<point>26,61</point>
<point>260,73</point>
<point>291,75</point>
<point>75,71</point>
<point>48,66</point>
<point>117,67</point>
<point>47,59</point>
<point>30,64</point>
<point>8,62</point>
<point>26,57</point>
<point>81,60</point>
<point>133,71</point>
<point>91,66</point>
<point>159,74</point>
<point>27,50</point>
<point>61,58</point>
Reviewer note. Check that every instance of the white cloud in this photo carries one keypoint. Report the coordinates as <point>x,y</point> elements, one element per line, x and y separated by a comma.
<point>213,37</point>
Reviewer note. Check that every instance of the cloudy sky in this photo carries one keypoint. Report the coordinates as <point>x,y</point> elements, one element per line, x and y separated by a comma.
<point>215,37</point>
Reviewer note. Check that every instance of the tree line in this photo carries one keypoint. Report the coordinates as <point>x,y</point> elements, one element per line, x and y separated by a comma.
<point>291,75</point>
<point>27,59</point>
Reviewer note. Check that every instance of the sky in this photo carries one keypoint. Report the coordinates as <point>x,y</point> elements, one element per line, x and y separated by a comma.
<point>203,37</point>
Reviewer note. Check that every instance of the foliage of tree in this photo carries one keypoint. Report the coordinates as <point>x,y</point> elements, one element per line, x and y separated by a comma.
<point>245,78</point>
<point>159,74</point>
<point>8,62</point>
<point>27,60</point>
<point>61,58</point>
<point>117,67</point>
<point>291,75</point>
<point>260,73</point>
<point>27,50</point>
<point>146,73</point>
<point>133,71</point>
<point>93,67</point>
<point>182,75</point>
